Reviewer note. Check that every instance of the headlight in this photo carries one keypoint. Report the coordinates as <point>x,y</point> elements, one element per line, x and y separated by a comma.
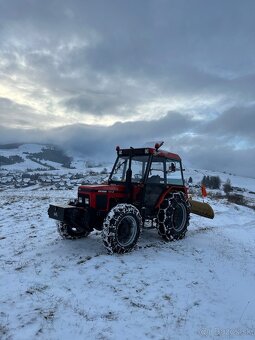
<point>80,199</point>
<point>86,201</point>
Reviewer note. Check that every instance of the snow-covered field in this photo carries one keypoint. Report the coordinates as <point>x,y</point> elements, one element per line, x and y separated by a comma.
<point>199,287</point>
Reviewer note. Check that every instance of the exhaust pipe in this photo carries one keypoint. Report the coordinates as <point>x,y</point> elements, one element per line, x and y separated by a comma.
<point>201,209</point>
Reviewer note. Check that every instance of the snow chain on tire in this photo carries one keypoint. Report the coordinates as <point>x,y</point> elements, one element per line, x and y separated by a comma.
<point>121,213</point>
<point>166,214</point>
<point>66,232</point>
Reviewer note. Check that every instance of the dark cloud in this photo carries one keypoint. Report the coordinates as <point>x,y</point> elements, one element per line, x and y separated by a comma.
<point>218,157</point>
<point>13,114</point>
<point>82,137</point>
<point>179,46</point>
<point>101,103</point>
<point>236,122</point>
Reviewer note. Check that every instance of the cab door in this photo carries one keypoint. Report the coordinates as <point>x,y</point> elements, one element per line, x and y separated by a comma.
<point>155,184</point>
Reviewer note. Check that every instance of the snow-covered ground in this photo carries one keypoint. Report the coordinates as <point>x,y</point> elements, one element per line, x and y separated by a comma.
<point>199,287</point>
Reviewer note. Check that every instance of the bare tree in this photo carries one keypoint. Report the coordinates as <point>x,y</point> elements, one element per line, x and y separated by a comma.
<point>227,187</point>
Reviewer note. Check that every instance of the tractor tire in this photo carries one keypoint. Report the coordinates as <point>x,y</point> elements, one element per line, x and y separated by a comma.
<point>173,217</point>
<point>66,231</point>
<point>122,228</point>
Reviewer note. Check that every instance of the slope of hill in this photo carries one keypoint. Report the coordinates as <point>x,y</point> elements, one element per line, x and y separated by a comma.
<point>43,157</point>
<point>33,156</point>
<point>246,183</point>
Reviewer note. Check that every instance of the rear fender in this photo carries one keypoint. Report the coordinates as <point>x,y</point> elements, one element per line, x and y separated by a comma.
<point>167,191</point>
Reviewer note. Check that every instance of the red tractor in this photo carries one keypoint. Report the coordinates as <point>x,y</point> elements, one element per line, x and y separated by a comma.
<point>145,184</point>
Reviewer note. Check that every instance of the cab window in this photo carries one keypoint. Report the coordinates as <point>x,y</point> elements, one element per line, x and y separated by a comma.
<point>173,172</point>
<point>139,164</point>
<point>156,173</point>
<point>119,172</point>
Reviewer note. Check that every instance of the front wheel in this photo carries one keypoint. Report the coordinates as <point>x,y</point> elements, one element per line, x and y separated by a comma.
<point>121,229</point>
<point>67,231</point>
<point>173,217</point>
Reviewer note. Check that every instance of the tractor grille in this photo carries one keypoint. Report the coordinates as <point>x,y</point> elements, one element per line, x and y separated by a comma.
<point>101,202</point>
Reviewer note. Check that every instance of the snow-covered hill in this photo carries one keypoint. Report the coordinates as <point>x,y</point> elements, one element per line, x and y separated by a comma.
<point>42,157</point>
<point>35,157</point>
<point>246,183</point>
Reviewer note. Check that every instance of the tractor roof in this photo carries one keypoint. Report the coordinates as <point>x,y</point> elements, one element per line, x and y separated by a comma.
<point>147,151</point>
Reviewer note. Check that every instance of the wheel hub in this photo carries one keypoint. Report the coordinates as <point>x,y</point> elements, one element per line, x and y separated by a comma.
<point>179,217</point>
<point>127,230</point>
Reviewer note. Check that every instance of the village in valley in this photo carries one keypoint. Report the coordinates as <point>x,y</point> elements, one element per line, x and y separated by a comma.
<point>36,166</point>
<point>64,181</point>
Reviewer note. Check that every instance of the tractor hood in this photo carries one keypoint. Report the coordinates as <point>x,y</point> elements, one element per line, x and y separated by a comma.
<point>101,188</point>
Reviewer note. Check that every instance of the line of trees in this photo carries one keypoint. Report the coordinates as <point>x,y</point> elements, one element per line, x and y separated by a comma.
<point>10,160</point>
<point>212,182</point>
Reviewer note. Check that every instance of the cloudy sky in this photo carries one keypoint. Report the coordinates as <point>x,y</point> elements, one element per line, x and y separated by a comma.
<point>90,74</point>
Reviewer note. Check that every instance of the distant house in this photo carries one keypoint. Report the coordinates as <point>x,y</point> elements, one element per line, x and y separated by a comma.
<point>45,179</point>
<point>6,180</point>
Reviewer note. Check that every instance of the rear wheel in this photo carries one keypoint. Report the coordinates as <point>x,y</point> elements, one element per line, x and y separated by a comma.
<point>122,228</point>
<point>67,231</point>
<point>173,217</point>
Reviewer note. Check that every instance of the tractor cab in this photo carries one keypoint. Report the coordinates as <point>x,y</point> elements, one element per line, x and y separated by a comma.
<point>148,174</point>
<point>147,166</point>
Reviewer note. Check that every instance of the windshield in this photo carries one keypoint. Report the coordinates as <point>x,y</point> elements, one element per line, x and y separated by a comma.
<point>138,166</point>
